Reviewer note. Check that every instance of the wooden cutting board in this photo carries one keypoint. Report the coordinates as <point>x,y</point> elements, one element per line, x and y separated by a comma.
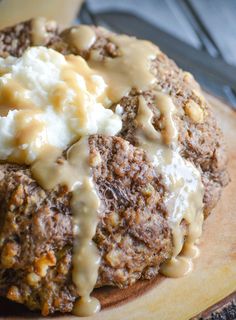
<point>214,275</point>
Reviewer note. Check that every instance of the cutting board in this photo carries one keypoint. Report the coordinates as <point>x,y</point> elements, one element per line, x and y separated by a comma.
<point>214,275</point>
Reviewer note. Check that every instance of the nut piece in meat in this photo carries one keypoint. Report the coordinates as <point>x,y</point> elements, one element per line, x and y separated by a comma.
<point>42,264</point>
<point>14,294</point>
<point>194,111</point>
<point>33,279</point>
<point>9,253</point>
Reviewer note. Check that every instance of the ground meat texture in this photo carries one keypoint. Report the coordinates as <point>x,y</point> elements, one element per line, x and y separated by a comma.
<point>132,233</point>
<point>36,242</point>
<point>201,143</point>
<point>132,236</point>
<point>15,40</point>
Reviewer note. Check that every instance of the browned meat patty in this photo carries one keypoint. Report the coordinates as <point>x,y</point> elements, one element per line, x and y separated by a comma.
<point>132,236</point>
<point>201,143</point>
<point>36,228</point>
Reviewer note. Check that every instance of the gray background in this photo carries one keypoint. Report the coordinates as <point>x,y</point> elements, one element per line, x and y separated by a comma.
<point>205,24</point>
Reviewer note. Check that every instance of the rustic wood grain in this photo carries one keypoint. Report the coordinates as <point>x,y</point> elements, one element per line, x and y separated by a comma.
<point>223,310</point>
<point>165,14</point>
<point>213,278</point>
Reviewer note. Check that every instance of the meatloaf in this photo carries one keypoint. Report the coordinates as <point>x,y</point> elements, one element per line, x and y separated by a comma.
<point>133,236</point>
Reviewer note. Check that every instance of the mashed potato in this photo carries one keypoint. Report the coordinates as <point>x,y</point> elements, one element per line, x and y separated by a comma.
<point>47,99</point>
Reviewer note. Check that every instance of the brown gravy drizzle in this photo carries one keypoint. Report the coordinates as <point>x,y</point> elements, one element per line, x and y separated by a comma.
<point>184,202</point>
<point>39,32</point>
<point>130,69</point>
<point>13,96</point>
<point>76,174</point>
<point>81,38</point>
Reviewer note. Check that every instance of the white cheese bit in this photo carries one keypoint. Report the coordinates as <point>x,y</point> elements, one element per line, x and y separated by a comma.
<point>184,198</point>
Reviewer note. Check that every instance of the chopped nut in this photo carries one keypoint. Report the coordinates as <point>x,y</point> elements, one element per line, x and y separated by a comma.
<point>148,190</point>
<point>188,77</point>
<point>126,242</point>
<point>113,219</point>
<point>12,207</point>
<point>194,111</point>
<point>199,95</point>
<point>114,257</point>
<point>42,264</point>
<point>120,275</point>
<point>45,309</point>
<point>14,294</point>
<point>9,253</point>
<point>64,265</point>
<point>95,160</point>
<point>17,196</point>
<point>117,237</point>
<point>33,279</point>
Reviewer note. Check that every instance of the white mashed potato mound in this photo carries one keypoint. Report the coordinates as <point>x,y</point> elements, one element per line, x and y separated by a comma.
<point>38,74</point>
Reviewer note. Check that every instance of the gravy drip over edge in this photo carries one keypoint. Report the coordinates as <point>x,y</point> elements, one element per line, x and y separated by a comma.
<point>131,69</point>
<point>39,33</point>
<point>76,174</point>
<point>184,200</point>
<point>82,37</point>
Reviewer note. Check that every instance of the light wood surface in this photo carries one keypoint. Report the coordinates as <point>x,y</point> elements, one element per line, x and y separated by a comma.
<point>214,275</point>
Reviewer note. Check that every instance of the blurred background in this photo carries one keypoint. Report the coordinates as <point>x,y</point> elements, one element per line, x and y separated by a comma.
<point>204,24</point>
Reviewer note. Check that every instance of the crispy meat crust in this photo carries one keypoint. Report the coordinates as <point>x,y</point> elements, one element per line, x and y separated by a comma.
<point>132,236</point>
<point>201,143</point>
<point>36,228</point>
